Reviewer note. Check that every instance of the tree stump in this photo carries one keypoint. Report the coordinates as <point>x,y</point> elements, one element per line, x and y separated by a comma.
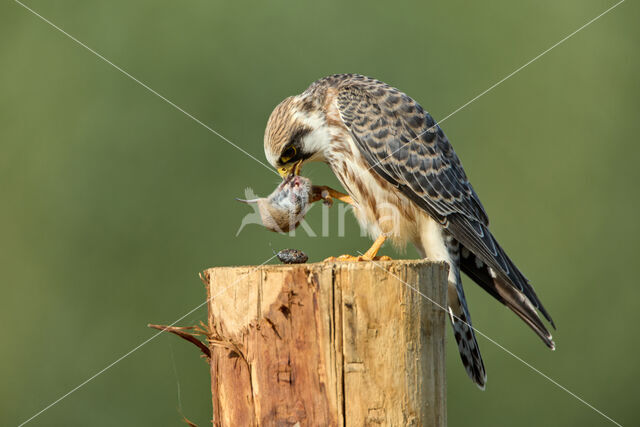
<point>328,344</point>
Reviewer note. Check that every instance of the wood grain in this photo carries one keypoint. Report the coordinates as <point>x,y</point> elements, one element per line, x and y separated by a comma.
<point>328,344</point>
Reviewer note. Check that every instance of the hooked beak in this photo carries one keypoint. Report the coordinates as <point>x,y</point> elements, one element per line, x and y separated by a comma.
<point>290,169</point>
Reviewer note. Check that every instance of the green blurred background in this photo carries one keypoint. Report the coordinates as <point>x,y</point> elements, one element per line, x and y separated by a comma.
<point>112,200</point>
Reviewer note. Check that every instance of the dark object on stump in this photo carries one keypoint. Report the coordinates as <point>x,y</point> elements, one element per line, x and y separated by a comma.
<point>292,256</point>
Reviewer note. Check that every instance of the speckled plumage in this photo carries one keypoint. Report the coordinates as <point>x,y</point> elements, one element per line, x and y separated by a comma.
<point>406,182</point>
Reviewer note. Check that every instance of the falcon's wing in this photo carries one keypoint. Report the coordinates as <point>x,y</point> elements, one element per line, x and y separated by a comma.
<point>405,146</point>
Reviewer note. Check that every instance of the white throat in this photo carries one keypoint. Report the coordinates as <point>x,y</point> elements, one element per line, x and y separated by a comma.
<point>318,140</point>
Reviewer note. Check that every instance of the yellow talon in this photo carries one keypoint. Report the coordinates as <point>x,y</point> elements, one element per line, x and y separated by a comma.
<point>370,255</point>
<point>353,258</point>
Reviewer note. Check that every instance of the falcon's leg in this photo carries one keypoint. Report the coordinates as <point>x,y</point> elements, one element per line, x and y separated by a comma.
<point>373,250</point>
<point>370,255</point>
<point>327,194</point>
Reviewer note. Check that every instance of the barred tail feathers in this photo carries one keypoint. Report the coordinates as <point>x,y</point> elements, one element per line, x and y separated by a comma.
<point>465,336</point>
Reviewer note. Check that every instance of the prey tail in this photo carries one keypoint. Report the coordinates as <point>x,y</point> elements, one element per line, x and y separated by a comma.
<point>464,334</point>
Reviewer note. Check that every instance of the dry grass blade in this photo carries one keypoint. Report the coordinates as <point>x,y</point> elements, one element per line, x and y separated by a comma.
<point>183,333</point>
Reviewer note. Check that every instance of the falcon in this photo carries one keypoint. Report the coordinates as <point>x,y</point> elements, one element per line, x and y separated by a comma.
<point>406,184</point>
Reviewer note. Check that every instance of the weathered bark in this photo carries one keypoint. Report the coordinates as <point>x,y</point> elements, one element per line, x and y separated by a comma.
<point>328,344</point>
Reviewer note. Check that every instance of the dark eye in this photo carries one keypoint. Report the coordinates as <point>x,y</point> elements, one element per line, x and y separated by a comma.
<point>288,154</point>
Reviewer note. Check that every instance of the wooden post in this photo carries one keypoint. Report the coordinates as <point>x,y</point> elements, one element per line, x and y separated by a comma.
<point>328,344</point>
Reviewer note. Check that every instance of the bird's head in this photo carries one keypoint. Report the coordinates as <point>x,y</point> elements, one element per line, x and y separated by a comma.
<point>296,133</point>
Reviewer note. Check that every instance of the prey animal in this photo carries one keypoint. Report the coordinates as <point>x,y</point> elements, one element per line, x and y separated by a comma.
<point>287,205</point>
<point>407,184</point>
